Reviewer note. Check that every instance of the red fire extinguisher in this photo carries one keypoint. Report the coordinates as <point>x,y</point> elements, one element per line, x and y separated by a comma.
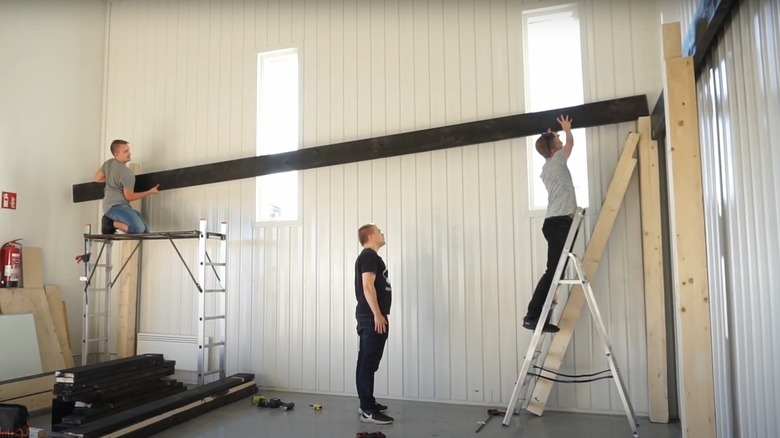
<point>11,259</point>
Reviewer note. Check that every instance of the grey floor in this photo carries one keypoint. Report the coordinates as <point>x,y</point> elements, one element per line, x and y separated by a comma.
<point>339,419</point>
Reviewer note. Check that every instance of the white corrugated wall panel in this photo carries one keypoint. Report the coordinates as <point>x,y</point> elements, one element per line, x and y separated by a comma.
<point>464,251</point>
<point>739,101</point>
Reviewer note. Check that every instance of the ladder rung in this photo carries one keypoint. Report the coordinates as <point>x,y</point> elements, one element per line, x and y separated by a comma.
<point>571,282</point>
<point>212,318</point>
<point>214,344</point>
<point>215,264</point>
<point>98,289</point>
<point>208,373</point>
<point>98,314</point>
<point>97,339</point>
<point>213,291</point>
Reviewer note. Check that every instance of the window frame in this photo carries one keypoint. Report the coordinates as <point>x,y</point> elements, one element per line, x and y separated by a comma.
<point>536,15</point>
<point>258,220</point>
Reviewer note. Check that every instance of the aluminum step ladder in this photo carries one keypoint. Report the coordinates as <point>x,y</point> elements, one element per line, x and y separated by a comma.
<point>96,303</point>
<point>537,350</point>
<point>211,302</point>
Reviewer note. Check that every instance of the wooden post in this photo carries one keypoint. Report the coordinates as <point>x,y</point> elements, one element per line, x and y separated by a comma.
<point>590,262</point>
<point>689,257</point>
<point>652,256</point>
<point>128,292</point>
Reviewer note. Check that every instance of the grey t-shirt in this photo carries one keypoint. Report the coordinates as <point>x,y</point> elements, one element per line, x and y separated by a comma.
<point>561,199</point>
<point>118,176</point>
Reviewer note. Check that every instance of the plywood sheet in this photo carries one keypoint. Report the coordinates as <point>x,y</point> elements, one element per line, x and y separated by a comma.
<point>16,301</point>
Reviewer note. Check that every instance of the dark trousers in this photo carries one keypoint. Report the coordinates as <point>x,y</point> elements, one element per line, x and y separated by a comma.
<point>555,230</point>
<point>372,346</point>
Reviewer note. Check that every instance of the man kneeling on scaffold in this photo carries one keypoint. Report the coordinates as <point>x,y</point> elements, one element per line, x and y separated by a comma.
<point>120,192</point>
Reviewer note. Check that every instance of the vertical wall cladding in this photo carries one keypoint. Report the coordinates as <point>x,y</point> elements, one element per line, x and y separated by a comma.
<point>738,100</point>
<point>463,249</point>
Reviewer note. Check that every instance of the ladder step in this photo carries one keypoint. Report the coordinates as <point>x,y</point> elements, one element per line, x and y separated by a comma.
<point>98,289</point>
<point>214,344</point>
<point>216,264</point>
<point>212,318</point>
<point>97,339</point>
<point>208,373</point>
<point>98,314</point>
<point>213,291</point>
<point>572,282</point>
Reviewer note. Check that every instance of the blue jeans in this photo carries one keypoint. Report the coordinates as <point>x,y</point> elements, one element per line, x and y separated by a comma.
<point>372,345</point>
<point>125,213</point>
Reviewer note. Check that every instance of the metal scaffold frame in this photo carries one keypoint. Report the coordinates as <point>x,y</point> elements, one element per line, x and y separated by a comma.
<point>96,312</point>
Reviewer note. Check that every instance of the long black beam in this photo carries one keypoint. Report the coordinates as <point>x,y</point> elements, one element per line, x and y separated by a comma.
<point>709,21</point>
<point>463,134</point>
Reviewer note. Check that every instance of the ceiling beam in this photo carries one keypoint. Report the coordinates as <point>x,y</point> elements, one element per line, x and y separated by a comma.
<point>605,112</point>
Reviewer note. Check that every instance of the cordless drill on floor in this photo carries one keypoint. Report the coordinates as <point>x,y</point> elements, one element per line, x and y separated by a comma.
<point>273,403</point>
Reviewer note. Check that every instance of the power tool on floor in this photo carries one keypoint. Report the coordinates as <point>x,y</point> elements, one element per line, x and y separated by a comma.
<point>273,403</point>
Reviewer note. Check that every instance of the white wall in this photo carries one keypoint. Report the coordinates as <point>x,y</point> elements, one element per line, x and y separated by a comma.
<point>463,250</point>
<point>50,118</point>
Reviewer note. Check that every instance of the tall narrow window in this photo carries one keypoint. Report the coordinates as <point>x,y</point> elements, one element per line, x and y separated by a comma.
<point>277,131</point>
<point>553,79</point>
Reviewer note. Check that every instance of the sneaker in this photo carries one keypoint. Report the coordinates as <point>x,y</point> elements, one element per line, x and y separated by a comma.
<point>378,407</point>
<point>376,418</point>
<point>530,324</point>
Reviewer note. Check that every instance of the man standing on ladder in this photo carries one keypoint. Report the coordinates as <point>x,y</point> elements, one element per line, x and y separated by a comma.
<point>561,206</point>
<point>120,192</point>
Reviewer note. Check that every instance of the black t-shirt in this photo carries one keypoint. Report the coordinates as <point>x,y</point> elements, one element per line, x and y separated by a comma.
<point>369,261</point>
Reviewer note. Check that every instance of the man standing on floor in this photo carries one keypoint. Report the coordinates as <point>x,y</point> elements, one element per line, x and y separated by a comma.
<point>374,296</point>
<point>120,192</point>
<point>561,206</point>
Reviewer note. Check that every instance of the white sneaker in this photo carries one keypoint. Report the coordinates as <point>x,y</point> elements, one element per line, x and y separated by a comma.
<point>376,418</point>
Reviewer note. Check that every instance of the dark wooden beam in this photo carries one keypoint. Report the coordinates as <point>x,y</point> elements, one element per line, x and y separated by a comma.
<point>463,134</point>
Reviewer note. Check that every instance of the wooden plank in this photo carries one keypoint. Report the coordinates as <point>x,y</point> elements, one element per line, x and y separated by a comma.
<point>590,262</point>
<point>482,131</point>
<point>671,41</point>
<point>126,326</point>
<point>652,257</point>
<point>34,402</point>
<point>67,326</point>
<point>32,267</point>
<point>57,311</point>
<point>14,301</point>
<point>689,256</point>
<point>24,386</point>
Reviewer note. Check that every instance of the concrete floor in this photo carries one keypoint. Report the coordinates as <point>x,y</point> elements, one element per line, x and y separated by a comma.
<point>339,419</point>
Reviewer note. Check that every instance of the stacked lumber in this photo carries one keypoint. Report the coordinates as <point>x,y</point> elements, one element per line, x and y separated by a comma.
<point>87,393</point>
<point>31,391</point>
<point>156,416</point>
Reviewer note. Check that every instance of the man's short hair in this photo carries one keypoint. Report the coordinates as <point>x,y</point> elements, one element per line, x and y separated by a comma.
<point>364,232</point>
<point>115,145</point>
<point>543,145</point>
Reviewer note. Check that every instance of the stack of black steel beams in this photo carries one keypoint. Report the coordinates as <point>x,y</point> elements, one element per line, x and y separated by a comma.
<point>87,393</point>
